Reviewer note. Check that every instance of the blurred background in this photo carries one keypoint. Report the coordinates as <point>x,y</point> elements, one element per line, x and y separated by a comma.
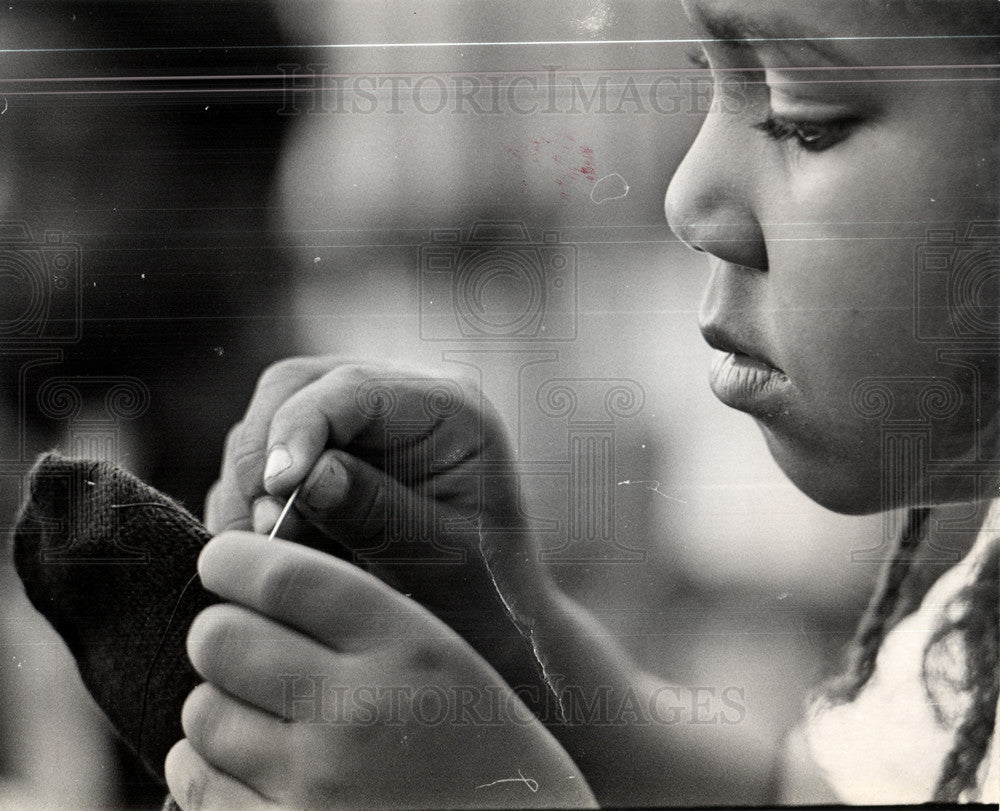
<point>473,186</point>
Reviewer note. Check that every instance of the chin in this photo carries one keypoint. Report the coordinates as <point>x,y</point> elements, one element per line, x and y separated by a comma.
<point>833,480</point>
<point>851,483</point>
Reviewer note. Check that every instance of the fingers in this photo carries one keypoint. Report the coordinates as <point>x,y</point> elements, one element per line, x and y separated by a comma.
<point>302,407</point>
<point>321,596</point>
<point>273,757</point>
<point>300,427</point>
<point>195,784</point>
<point>226,507</point>
<point>358,506</point>
<point>266,512</point>
<point>350,408</point>
<point>246,453</point>
<point>237,738</point>
<point>248,656</point>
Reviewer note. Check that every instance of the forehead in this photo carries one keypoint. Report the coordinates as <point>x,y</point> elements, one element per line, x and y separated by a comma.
<point>865,31</point>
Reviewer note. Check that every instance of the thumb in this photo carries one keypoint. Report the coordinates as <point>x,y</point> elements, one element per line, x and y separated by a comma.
<point>374,515</point>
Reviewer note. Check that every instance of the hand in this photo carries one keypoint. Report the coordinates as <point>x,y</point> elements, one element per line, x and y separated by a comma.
<point>324,687</point>
<point>405,474</point>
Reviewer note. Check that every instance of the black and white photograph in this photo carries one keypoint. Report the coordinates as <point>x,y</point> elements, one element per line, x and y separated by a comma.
<point>499,403</point>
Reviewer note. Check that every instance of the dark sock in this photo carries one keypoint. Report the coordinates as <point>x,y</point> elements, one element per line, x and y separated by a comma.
<point>110,562</point>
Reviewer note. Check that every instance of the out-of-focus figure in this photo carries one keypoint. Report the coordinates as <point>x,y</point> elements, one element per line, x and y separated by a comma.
<point>141,294</point>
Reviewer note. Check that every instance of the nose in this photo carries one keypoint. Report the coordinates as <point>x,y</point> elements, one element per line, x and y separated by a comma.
<point>709,201</point>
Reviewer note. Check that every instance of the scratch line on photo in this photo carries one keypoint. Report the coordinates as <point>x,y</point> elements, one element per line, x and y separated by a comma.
<point>654,489</point>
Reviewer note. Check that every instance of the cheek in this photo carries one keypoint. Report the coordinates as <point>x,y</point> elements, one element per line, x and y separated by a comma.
<point>842,291</point>
<point>843,229</point>
<point>844,316</point>
<point>841,310</point>
<point>845,254</point>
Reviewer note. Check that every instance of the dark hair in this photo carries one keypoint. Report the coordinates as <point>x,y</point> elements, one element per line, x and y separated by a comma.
<point>974,633</point>
<point>972,627</point>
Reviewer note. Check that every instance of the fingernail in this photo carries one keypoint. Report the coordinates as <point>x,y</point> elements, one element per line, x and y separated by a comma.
<point>265,512</point>
<point>278,461</point>
<point>331,488</point>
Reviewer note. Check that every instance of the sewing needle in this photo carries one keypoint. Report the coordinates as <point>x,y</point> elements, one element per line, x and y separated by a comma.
<point>284,513</point>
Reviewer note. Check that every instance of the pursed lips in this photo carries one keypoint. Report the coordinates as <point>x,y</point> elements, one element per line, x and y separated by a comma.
<point>718,338</point>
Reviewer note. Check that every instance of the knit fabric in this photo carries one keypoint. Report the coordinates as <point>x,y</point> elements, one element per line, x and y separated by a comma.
<point>110,562</point>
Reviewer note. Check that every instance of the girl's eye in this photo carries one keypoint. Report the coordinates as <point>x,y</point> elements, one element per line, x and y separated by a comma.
<point>812,136</point>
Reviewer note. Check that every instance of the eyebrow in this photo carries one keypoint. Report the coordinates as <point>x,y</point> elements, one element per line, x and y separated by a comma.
<point>737,32</point>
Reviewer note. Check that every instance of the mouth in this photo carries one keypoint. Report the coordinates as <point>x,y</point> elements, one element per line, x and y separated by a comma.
<point>743,377</point>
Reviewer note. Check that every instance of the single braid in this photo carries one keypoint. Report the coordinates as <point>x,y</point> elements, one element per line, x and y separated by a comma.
<point>978,627</point>
<point>884,610</point>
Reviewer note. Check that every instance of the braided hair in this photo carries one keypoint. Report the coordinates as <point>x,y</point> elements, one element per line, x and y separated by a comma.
<point>972,628</point>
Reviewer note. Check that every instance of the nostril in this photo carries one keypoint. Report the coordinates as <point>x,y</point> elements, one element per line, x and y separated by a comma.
<point>735,241</point>
<point>691,245</point>
<point>686,233</point>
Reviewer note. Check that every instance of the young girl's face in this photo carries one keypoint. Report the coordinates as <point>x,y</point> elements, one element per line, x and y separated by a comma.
<point>843,133</point>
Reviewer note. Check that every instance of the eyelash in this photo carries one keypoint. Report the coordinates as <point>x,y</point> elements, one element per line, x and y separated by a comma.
<point>812,136</point>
